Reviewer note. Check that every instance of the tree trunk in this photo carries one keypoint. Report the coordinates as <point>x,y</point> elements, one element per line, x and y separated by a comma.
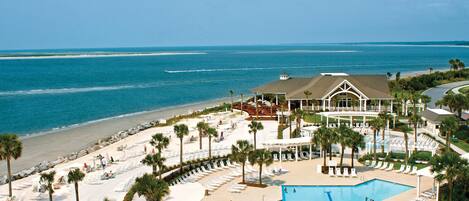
<point>382,144</point>
<point>154,170</point>
<point>374,145</point>
<point>415,137</point>
<point>50,194</point>
<point>289,126</point>
<point>342,155</point>
<point>324,154</point>
<point>244,163</point>
<point>406,149</point>
<point>330,152</point>
<point>200,140</point>
<point>260,174</point>
<point>10,192</point>
<point>209,147</point>
<point>76,191</point>
<point>448,144</point>
<point>254,140</point>
<point>352,155</point>
<point>450,189</point>
<point>180,156</point>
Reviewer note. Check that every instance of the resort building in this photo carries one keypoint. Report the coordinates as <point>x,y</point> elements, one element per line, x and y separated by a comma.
<point>350,98</point>
<point>432,119</point>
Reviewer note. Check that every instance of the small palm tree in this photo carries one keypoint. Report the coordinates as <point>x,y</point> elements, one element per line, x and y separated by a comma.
<point>357,141</point>
<point>449,126</point>
<point>48,180</point>
<point>254,127</point>
<point>406,130</point>
<point>375,124</point>
<point>239,153</point>
<point>415,119</point>
<point>384,116</point>
<point>10,148</point>
<point>181,130</point>
<point>344,138</point>
<point>298,116</point>
<point>261,157</point>
<point>211,132</point>
<point>448,166</point>
<point>155,161</point>
<point>321,138</point>
<point>75,176</point>
<point>201,127</point>
<point>151,188</point>
<point>159,141</point>
<point>231,98</point>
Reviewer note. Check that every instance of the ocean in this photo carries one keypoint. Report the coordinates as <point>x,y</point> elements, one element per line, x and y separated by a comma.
<point>43,90</point>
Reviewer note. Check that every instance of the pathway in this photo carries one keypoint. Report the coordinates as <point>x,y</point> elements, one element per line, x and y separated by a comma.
<point>436,93</point>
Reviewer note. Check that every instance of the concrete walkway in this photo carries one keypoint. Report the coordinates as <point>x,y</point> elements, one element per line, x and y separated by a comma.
<point>436,93</point>
<point>442,140</point>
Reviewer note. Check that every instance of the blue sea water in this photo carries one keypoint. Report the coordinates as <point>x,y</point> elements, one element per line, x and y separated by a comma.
<point>375,189</point>
<point>42,94</point>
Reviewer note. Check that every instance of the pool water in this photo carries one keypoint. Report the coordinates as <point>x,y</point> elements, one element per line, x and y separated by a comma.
<point>375,189</point>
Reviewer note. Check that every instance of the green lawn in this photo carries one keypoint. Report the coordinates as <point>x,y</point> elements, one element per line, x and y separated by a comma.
<point>464,90</point>
<point>461,144</point>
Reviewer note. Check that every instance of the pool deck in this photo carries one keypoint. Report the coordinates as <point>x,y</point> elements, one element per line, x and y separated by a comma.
<point>304,173</point>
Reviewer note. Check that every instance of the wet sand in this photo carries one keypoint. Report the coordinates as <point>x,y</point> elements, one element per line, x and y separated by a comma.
<point>50,146</point>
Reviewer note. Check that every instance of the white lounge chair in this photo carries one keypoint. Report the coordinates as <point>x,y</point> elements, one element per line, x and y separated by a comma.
<point>380,163</point>
<point>337,172</point>
<point>385,165</point>
<point>401,169</point>
<point>373,164</point>
<point>408,169</point>
<point>353,172</point>
<point>331,172</point>
<point>275,157</point>
<point>346,172</point>
<point>391,167</point>
<point>414,170</point>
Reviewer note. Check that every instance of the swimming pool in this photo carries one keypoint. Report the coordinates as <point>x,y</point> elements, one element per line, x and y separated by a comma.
<point>375,189</point>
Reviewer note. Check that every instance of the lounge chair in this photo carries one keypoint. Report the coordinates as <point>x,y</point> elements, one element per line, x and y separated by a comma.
<point>373,164</point>
<point>275,157</point>
<point>380,163</point>
<point>408,169</point>
<point>337,172</point>
<point>284,157</point>
<point>391,167</point>
<point>401,169</point>
<point>290,157</point>
<point>385,165</point>
<point>367,162</point>
<point>353,172</point>
<point>346,172</point>
<point>331,172</point>
<point>414,170</point>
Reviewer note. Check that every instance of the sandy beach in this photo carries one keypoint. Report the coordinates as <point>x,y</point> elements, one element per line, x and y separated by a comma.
<point>44,147</point>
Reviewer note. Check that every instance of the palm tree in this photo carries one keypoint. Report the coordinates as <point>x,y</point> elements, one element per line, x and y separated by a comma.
<point>321,138</point>
<point>201,127</point>
<point>75,176</point>
<point>448,166</point>
<point>298,115</point>
<point>425,100</point>
<point>415,119</point>
<point>261,157</point>
<point>449,126</point>
<point>375,124</point>
<point>159,141</point>
<point>181,130</point>
<point>406,130</point>
<point>240,152</point>
<point>10,148</point>
<point>455,102</point>
<point>430,70</point>
<point>357,141</point>
<point>307,94</point>
<point>456,64</point>
<point>344,133</point>
<point>389,75</point>
<point>231,98</point>
<point>254,127</point>
<point>151,188</point>
<point>48,179</point>
<point>211,132</point>
<point>155,161</point>
<point>385,117</point>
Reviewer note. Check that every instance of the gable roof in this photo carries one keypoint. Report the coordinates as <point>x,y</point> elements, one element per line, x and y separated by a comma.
<point>372,86</point>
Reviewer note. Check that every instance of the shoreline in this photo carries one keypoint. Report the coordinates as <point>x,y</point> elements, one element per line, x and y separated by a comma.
<point>51,145</point>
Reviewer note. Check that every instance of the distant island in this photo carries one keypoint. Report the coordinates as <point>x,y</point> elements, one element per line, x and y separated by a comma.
<point>455,43</point>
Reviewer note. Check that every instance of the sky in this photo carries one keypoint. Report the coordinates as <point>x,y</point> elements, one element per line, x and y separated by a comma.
<point>52,24</point>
